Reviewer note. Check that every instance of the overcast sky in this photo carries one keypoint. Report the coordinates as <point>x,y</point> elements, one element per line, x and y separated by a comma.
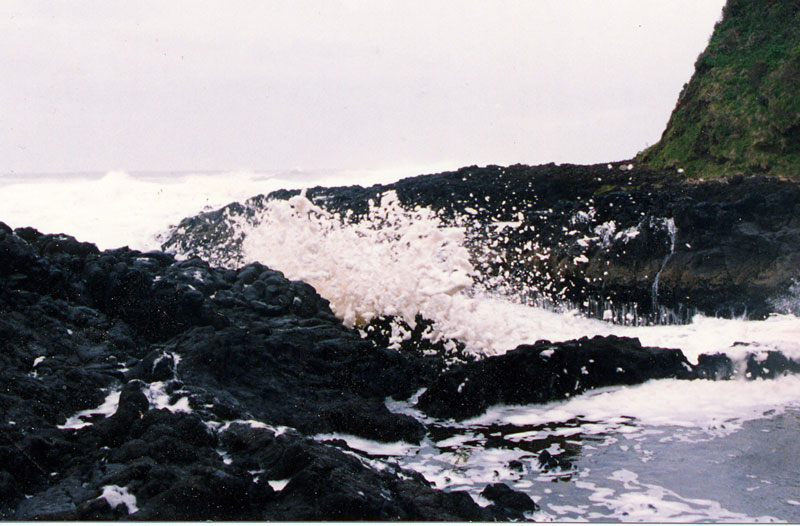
<point>236,84</point>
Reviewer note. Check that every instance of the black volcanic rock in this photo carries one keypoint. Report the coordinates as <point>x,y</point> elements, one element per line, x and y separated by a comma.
<point>769,364</point>
<point>545,371</point>
<point>714,367</point>
<point>755,365</point>
<point>513,503</point>
<point>189,389</point>
<point>589,237</point>
<point>534,374</point>
<point>550,462</point>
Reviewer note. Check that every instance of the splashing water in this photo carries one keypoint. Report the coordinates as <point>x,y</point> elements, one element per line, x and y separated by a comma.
<point>400,262</point>
<point>394,262</point>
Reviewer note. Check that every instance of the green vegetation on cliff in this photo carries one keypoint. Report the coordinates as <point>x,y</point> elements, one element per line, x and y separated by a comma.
<point>740,113</point>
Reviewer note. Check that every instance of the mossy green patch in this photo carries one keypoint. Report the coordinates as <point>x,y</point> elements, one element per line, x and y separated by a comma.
<point>740,112</point>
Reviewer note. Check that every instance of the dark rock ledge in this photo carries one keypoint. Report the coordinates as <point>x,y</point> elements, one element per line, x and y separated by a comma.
<point>589,237</point>
<point>545,371</point>
<point>222,377</point>
<point>134,386</point>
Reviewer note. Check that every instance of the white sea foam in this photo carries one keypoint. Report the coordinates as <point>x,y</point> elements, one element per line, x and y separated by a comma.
<point>116,209</point>
<point>116,495</point>
<point>106,409</point>
<point>640,502</point>
<point>278,485</point>
<point>369,446</point>
<point>226,458</point>
<point>396,263</point>
<point>621,426</point>
<point>158,397</point>
<point>511,324</point>
<point>718,408</point>
<point>255,424</point>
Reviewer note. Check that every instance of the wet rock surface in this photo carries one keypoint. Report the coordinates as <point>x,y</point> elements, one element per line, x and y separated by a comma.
<point>546,371</point>
<point>764,365</point>
<point>507,501</point>
<point>615,241</point>
<point>136,386</point>
<point>542,372</point>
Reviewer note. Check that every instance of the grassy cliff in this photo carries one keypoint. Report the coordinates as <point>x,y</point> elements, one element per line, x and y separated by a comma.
<point>740,112</point>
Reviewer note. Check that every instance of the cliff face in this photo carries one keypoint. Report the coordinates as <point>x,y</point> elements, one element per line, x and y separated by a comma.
<point>740,112</point>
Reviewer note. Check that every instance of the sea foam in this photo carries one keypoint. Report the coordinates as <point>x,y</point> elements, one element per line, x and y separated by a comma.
<point>399,262</point>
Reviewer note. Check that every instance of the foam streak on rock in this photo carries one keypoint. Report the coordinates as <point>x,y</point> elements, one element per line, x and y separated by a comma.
<point>116,495</point>
<point>107,409</point>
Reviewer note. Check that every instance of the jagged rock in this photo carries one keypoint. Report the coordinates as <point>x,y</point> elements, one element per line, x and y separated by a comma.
<point>549,462</point>
<point>438,354</point>
<point>124,374</point>
<point>755,365</point>
<point>590,237</point>
<point>545,371</point>
<point>769,366</point>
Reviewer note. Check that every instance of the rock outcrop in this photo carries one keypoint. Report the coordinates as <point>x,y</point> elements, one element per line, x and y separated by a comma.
<point>546,371</point>
<point>134,386</point>
<point>533,374</point>
<point>614,241</point>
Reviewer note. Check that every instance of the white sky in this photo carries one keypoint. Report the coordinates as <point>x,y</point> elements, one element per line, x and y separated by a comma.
<point>237,84</point>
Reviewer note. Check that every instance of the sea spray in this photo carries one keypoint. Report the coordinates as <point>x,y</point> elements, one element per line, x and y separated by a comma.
<point>119,209</point>
<point>394,262</point>
<point>788,303</point>
<point>400,262</point>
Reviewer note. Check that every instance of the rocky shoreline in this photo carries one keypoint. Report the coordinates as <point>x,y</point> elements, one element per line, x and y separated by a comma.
<point>613,240</point>
<point>137,386</point>
<point>184,385</point>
